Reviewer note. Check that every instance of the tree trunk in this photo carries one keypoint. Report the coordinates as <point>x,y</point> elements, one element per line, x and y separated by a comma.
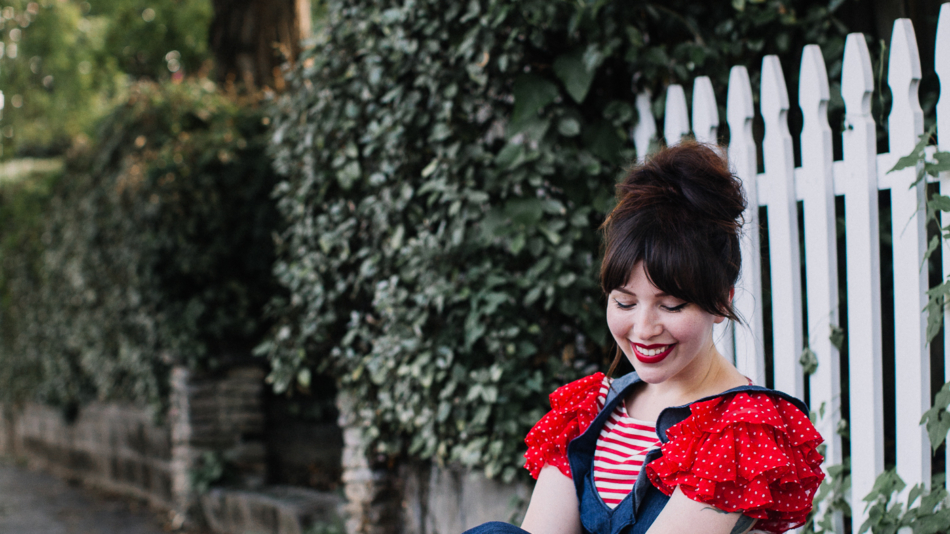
<point>251,39</point>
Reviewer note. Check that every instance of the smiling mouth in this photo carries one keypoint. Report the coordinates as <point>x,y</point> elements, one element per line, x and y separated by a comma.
<point>651,353</point>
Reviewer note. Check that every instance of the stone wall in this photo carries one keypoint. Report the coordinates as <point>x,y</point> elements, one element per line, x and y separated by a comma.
<point>438,500</point>
<point>123,449</point>
<point>114,447</point>
<point>418,497</point>
<point>219,414</point>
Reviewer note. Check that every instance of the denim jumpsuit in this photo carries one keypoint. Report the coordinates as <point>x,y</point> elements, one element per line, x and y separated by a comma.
<point>640,508</point>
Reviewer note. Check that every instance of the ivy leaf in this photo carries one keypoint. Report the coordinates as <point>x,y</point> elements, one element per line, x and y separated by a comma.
<point>939,203</point>
<point>526,211</point>
<point>809,361</point>
<point>910,160</point>
<point>569,127</point>
<point>937,419</point>
<point>531,94</point>
<point>575,73</point>
<point>942,163</point>
<point>837,336</point>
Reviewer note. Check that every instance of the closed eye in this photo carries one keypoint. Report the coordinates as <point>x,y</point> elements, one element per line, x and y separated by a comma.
<point>623,306</point>
<point>676,308</point>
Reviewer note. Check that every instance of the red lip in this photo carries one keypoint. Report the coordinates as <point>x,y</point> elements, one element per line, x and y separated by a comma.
<point>651,359</point>
<point>648,347</point>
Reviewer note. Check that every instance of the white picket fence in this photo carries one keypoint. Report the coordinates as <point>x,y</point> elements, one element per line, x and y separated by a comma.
<point>817,182</point>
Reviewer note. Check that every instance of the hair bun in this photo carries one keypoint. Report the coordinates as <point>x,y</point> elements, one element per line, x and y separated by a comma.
<point>688,178</point>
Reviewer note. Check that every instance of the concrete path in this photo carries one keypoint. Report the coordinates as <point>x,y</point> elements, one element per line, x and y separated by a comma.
<point>38,503</point>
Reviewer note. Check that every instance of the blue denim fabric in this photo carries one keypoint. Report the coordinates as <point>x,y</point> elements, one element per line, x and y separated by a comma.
<point>640,508</point>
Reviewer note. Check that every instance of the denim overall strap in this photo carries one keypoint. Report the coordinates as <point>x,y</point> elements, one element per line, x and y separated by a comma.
<point>580,451</point>
<point>596,516</point>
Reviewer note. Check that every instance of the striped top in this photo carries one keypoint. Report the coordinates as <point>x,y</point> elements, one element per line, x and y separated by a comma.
<point>621,449</point>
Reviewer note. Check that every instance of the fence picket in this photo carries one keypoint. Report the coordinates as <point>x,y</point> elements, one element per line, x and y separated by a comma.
<point>644,133</point>
<point>942,67</point>
<point>749,351</point>
<point>705,113</point>
<point>821,268</point>
<point>783,230</point>
<point>863,274</point>
<point>676,116</point>
<point>912,375</point>
<point>705,129</point>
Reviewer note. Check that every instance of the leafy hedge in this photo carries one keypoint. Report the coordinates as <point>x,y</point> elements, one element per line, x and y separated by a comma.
<point>154,247</point>
<point>447,166</point>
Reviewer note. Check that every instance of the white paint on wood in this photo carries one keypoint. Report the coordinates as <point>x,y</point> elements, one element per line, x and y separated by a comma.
<point>705,113</point>
<point>705,129</point>
<point>863,274</point>
<point>912,372</point>
<point>821,254</point>
<point>676,117</point>
<point>942,67</point>
<point>749,350</point>
<point>783,231</point>
<point>644,133</point>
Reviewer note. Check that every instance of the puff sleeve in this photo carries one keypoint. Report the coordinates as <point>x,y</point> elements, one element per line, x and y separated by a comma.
<point>573,408</point>
<point>749,452</point>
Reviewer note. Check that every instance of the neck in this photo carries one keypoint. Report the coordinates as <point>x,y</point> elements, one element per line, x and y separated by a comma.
<point>705,377</point>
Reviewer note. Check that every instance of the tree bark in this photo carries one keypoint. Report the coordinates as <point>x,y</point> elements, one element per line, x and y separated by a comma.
<point>251,39</point>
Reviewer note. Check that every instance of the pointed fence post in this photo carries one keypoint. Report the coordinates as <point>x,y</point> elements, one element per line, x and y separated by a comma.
<point>644,133</point>
<point>912,372</point>
<point>821,268</point>
<point>783,231</point>
<point>705,113</point>
<point>706,128</point>
<point>863,274</point>
<point>942,66</point>
<point>749,350</point>
<point>676,117</point>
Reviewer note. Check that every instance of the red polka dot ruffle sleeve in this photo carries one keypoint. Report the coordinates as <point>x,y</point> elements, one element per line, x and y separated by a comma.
<point>748,452</point>
<point>573,408</point>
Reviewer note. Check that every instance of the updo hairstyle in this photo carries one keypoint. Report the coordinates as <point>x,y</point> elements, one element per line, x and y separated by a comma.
<point>680,213</point>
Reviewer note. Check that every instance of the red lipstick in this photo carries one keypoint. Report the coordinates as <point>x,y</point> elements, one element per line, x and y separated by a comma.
<point>656,358</point>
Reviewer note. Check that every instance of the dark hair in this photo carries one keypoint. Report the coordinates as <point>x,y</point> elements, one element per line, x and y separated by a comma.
<point>680,213</point>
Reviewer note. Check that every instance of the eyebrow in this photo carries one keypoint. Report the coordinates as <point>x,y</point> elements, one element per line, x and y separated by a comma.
<point>628,292</point>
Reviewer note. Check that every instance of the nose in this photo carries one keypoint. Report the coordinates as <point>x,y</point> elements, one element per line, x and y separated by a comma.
<point>647,324</point>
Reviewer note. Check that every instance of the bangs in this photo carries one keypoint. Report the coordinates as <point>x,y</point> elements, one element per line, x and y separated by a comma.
<point>676,259</point>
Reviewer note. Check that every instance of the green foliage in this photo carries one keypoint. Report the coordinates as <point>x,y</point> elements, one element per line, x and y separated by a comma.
<point>65,64</point>
<point>154,248</point>
<point>447,166</point>
<point>212,469</point>
<point>931,165</point>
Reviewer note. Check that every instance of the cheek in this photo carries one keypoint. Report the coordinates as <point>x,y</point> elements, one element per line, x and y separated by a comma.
<point>691,329</point>
<point>615,323</point>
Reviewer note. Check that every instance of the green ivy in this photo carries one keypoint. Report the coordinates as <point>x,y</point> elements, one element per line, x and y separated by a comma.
<point>154,248</point>
<point>447,165</point>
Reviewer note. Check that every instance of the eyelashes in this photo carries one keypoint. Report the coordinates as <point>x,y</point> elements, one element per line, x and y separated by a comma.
<point>630,306</point>
<point>623,306</point>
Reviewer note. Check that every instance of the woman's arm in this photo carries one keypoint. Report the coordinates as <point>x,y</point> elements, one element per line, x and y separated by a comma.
<point>682,514</point>
<point>553,508</point>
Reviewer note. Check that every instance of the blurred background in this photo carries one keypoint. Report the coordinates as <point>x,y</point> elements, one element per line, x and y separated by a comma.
<point>336,253</point>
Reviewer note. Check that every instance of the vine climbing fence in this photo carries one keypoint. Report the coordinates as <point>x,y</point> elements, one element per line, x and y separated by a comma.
<point>821,180</point>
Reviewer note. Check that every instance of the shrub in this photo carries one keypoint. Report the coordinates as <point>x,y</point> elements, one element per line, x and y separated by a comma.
<point>447,166</point>
<point>154,248</point>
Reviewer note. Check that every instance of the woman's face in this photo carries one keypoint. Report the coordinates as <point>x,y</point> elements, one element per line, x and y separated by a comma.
<point>661,335</point>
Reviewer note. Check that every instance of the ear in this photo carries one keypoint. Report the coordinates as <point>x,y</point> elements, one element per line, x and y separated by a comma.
<point>732,293</point>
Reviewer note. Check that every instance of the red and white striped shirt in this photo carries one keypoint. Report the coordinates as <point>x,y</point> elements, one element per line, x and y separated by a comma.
<point>621,448</point>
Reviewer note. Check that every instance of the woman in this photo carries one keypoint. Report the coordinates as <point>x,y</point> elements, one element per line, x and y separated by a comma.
<point>686,443</point>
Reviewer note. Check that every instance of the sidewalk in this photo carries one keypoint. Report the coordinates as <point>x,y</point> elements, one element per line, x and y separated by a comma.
<point>38,503</point>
